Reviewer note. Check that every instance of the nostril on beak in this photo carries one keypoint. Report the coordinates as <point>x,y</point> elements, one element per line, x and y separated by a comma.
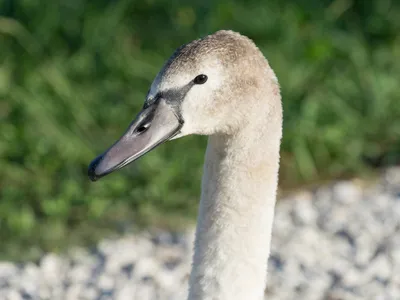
<point>143,128</point>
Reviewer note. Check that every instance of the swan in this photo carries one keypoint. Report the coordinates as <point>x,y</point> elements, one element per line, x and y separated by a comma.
<point>221,86</point>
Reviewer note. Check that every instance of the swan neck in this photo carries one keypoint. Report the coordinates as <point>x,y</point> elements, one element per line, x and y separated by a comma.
<point>235,215</point>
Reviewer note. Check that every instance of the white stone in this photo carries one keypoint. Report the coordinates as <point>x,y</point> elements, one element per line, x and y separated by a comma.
<point>80,273</point>
<point>7,269</point>
<point>126,291</point>
<point>89,293</point>
<point>145,292</point>
<point>346,192</point>
<point>74,292</point>
<point>303,209</point>
<point>53,268</point>
<point>106,246</point>
<point>13,295</point>
<point>106,282</point>
<point>145,267</point>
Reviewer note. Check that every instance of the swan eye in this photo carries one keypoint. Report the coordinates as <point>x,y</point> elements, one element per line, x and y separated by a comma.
<point>200,79</point>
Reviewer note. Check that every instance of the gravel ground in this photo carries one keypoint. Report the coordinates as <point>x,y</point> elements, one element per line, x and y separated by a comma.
<point>339,241</point>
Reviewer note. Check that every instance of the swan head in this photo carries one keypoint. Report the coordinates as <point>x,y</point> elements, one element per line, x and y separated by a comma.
<point>209,86</point>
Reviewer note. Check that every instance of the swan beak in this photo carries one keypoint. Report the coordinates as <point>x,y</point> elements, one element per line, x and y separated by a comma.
<point>154,125</point>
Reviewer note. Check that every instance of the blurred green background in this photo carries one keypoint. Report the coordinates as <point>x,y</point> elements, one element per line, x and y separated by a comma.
<point>74,73</point>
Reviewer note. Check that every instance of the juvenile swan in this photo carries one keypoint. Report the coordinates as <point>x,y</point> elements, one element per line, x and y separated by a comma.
<point>223,87</point>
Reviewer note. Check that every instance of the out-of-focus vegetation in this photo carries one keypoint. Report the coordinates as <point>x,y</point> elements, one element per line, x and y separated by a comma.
<point>74,73</point>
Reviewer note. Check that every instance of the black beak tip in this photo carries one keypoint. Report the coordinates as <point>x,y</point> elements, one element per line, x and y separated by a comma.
<point>92,169</point>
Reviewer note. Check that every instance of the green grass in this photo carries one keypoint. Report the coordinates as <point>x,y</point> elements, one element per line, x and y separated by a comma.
<point>74,74</point>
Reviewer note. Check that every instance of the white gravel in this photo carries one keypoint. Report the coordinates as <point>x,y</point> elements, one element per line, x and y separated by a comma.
<point>337,242</point>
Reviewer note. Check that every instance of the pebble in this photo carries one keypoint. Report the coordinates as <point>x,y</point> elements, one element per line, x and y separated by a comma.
<point>339,242</point>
